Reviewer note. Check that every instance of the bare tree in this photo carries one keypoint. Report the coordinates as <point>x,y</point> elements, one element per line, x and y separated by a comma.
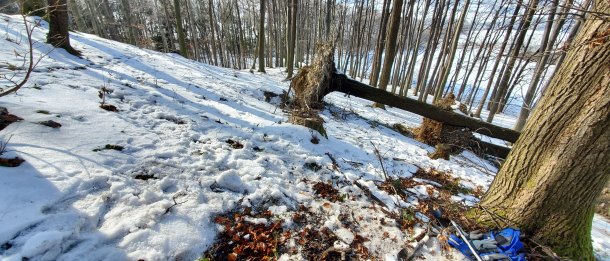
<point>28,59</point>
<point>179,28</point>
<point>390,48</point>
<point>261,38</point>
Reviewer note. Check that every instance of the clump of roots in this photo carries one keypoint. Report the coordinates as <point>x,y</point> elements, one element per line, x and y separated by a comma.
<point>310,85</point>
<point>312,82</point>
<point>447,139</point>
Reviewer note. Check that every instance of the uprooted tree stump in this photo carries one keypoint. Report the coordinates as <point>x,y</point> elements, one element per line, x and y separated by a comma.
<point>313,82</point>
<point>447,139</point>
<point>310,85</point>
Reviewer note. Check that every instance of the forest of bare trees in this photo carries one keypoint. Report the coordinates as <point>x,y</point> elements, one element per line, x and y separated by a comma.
<point>492,54</point>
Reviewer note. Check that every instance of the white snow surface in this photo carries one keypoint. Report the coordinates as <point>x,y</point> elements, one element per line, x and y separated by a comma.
<point>176,116</point>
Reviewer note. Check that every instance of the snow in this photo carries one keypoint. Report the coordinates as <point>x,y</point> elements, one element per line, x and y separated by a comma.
<point>601,237</point>
<point>176,116</point>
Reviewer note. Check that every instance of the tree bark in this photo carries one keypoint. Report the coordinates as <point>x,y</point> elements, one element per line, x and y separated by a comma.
<point>261,38</point>
<point>292,18</point>
<point>381,38</point>
<point>58,34</point>
<point>559,165</point>
<point>180,29</point>
<point>390,47</point>
<point>329,4</point>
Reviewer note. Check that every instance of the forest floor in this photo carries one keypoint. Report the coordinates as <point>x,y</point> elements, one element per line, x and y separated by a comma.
<point>198,157</point>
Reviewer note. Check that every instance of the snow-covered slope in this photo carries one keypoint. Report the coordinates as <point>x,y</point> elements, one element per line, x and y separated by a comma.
<point>181,124</point>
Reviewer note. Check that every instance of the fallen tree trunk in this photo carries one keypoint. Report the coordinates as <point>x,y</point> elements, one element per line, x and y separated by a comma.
<point>341,83</point>
<point>493,149</point>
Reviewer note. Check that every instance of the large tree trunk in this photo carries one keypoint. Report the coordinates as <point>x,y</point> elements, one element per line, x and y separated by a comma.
<point>560,163</point>
<point>58,26</point>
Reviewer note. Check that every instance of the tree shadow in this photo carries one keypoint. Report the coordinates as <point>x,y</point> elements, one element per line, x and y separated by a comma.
<point>37,220</point>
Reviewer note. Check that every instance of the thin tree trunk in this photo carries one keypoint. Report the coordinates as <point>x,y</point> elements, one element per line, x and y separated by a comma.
<point>292,17</point>
<point>128,21</point>
<point>453,50</point>
<point>545,47</point>
<point>390,48</point>
<point>504,81</point>
<point>261,38</point>
<point>381,38</point>
<point>181,40</point>
<point>213,32</point>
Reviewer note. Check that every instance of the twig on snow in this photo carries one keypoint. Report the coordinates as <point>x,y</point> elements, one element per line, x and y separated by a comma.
<point>177,195</point>
<point>378,154</point>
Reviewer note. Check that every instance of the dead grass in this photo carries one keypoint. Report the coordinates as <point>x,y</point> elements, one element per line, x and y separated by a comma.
<point>442,203</point>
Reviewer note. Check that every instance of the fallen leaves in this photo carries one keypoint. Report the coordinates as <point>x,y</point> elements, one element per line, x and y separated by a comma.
<point>7,118</point>
<point>243,240</point>
<point>327,191</point>
<point>109,107</point>
<point>109,147</point>
<point>50,123</point>
<point>235,144</point>
<point>11,163</point>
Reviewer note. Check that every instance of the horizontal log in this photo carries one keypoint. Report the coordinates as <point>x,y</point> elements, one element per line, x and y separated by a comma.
<point>493,149</point>
<point>341,83</point>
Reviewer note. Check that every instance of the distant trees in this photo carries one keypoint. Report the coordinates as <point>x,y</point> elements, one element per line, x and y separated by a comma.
<point>484,50</point>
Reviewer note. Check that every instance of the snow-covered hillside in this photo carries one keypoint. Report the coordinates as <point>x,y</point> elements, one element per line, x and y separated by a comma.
<point>196,141</point>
